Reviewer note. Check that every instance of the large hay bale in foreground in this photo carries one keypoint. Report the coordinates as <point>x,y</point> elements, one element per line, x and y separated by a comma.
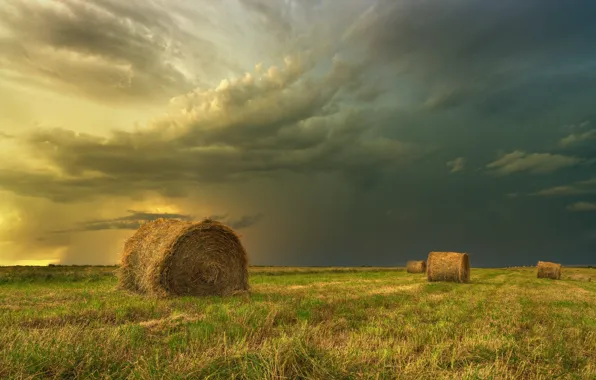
<point>549,270</point>
<point>448,266</point>
<point>416,266</point>
<point>171,257</point>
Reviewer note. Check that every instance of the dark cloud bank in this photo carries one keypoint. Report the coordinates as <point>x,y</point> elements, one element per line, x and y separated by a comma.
<point>489,155</point>
<point>136,219</point>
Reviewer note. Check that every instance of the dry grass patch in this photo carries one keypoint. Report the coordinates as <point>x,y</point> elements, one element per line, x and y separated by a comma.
<point>394,289</point>
<point>298,287</point>
<point>331,288</point>
<point>561,291</point>
<point>507,324</point>
<point>578,277</point>
<point>170,322</point>
<point>11,307</point>
<point>435,297</point>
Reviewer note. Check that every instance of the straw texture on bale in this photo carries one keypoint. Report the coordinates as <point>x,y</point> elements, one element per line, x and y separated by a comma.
<point>171,257</point>
<point>416,266</point>
<point>448,266</point>
<point>549,270</point>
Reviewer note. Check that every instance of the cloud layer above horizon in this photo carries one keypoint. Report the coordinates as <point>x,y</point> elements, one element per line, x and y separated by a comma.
<point>360,133</point>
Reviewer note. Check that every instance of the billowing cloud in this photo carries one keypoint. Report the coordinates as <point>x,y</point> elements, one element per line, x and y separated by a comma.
<point>252,126</point>
<point>457,164</point>
<point>560,190</point>
<point>575,138</point>
<point>540,163</point>
<point>577,188</point>
<point>582,206</point>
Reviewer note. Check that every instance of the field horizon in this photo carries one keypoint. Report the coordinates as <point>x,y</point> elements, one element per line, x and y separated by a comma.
<point>301,323</point>
<point>307,266</point>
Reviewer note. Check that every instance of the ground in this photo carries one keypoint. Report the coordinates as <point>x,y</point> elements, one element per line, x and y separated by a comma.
<point>326,323</point>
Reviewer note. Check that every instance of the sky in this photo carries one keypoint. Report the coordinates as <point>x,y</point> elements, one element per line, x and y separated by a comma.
<point>353,132</point>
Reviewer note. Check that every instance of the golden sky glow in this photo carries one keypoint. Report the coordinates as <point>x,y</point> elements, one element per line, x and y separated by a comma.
<point>325,132</point>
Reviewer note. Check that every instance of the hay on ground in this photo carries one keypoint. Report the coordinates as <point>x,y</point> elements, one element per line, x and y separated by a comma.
<point>549,270</point>
<point>448,266</point>
<point>171,257</point>
<point>416,266</point>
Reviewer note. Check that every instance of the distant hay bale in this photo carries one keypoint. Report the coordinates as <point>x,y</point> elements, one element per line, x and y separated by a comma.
<point>416,266</point>
<point>171,257</point>
<point>549,270</point>
<point>448,266</point>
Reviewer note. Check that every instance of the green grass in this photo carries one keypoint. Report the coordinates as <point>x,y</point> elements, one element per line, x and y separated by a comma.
<point>301,323</point>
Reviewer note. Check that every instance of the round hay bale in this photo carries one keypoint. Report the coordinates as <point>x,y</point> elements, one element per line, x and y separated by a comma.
<point>171,257</point>
<point>416,266</point>
<point>448,266</point>
<point>549,270</point>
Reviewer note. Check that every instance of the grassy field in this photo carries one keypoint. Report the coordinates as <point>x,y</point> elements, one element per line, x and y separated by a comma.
<point>301,323</point>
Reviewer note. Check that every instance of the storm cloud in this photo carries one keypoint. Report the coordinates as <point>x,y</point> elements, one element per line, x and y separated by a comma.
<point>246,128</point>
<point>130,222</point>
<point>360,133</point>
<point>105,49</point>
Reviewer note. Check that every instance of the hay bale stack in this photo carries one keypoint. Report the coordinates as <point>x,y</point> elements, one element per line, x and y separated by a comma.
<point>171,257</point>
<point>549,270</point>
<point>448,266</point>
<point>416,266</point>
